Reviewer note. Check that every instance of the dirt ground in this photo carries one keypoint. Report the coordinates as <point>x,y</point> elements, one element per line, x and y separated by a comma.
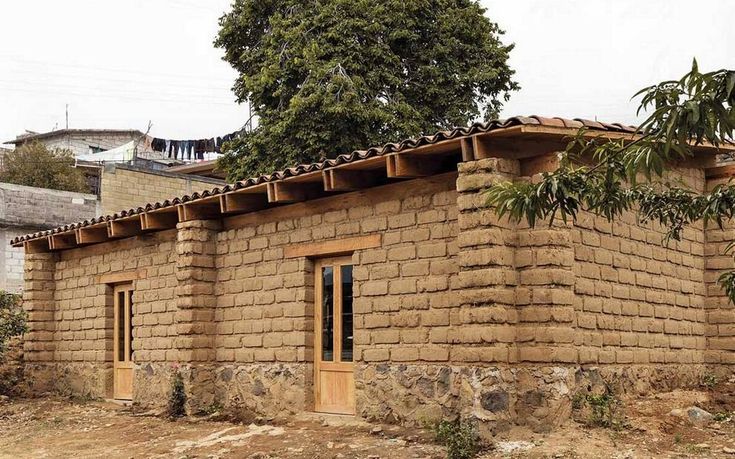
<point>60,428</point>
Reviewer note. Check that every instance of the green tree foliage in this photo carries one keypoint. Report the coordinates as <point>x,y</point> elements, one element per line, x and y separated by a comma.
<point>12,319</point>
<point>332,76</point>
<point>608,178</point>
<point>35,165</point>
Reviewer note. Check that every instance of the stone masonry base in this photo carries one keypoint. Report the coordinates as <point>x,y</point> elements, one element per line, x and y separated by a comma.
<point>539,397</point>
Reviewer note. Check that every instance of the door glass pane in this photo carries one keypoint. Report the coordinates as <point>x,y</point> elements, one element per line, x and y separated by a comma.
<point>120,326</point>
<point>346,313</point>
<point>327,314</point>
<point>130,326</point>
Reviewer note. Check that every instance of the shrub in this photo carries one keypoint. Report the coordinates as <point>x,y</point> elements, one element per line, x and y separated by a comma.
<point>460,437</point>
<point>12,319</point>
<point>177,397</point>
<point>603,410</point>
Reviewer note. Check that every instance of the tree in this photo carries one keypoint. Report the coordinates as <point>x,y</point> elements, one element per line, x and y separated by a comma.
<point>608,178</point>
<point>35,165</point>
<point>12,319</point>
<point>328,77</point>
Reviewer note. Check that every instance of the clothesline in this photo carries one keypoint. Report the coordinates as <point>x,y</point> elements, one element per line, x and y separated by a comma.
<point>185,149</point>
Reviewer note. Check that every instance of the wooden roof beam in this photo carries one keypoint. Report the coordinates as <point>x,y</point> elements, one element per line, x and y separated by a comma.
<point>413,166</point>
<point>62,241</point>
<point>124,228</point>
<point>202,209</point>
<point>239,203</point>
<point>342,179</point>
<point>288,192</point>
<point>92,234</point>
<point>159,221</point>
<point>41,245</point>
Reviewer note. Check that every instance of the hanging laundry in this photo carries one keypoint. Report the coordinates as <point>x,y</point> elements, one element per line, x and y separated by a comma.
<point>158,144</point>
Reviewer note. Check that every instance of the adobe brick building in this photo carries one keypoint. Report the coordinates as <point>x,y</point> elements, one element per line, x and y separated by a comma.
<point>380,284</point>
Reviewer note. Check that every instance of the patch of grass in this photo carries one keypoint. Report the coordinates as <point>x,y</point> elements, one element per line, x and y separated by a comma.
<point>723,416</point>
<point>212,408</point>
<point>709,380</point>
<point>460,437</point>
<point>177,397</point>
<point>677,439</point>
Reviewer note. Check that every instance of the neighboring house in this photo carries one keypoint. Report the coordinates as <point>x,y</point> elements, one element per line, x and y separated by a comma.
<point>81,141</point>
<point>201,168</point>
<point>381,284</point>
<point>26,209</point>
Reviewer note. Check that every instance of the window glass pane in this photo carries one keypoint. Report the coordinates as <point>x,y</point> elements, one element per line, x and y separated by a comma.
<point>120,326</point>
<point>327,314</point>
<point>346,314</point>
<point>130,328</point>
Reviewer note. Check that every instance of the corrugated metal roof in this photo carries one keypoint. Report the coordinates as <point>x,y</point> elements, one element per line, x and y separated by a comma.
<point>359,155</point>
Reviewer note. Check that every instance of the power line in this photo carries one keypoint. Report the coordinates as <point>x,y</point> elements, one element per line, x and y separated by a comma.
<point>124,91</point>
<point>116,80</point>
<point>184,100</point>
<point>108,69</point>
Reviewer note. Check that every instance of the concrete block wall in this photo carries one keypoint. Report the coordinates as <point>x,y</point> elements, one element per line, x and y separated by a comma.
<point>126,187</point>
<point>26,210</point>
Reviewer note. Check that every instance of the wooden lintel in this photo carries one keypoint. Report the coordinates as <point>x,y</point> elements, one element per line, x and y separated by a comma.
<point>333,247</point>
<point>37,245</point>
<point>350,179</point>
<point>287,192</point>
<point>155,221</point>
<point>237,203</point>
<point>124,228</point>
<point>122,276</point>
<point>62,241</point>
<point>92,234</point>
<point>539,164</point>
<point>198,210</point>
<point>412,166</point>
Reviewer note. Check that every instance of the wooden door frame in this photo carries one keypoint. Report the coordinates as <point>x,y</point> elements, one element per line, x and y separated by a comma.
<point>127,327</point>
<point>336,364</point>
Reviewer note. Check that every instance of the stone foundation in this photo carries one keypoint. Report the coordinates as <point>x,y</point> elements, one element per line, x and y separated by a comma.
<point>257,390</point>
<point>537,397</point>
<point>87,379</point>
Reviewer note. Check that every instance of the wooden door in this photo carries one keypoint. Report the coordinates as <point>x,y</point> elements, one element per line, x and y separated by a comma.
<point>123,340</point>
<point>334,379</point>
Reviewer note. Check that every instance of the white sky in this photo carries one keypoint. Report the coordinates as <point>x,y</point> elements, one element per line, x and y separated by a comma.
<point>120,64</point>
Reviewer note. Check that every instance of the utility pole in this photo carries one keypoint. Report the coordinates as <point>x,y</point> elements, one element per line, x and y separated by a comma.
<point>67,116</point>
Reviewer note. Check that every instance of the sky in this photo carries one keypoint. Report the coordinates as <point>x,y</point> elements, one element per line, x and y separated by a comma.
<point>119,65</point>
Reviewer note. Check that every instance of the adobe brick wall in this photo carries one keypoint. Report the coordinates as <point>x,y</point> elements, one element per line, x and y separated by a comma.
<point>126,187</point>
<point>456,312</point>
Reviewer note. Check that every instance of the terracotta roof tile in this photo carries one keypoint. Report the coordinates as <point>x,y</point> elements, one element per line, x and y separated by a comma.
<point>358,155</point>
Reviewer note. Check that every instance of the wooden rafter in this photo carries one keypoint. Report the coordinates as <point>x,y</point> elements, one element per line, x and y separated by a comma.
<point>237,203</point>
<point>62,241</point>
<point>124,227</point>
<point>202,209</point>
<point>160,220</point>
<point>37,245</point>
<point>412,166</point>
<point>293,191</point>
<point>92,234</point>
<point>350,179</point>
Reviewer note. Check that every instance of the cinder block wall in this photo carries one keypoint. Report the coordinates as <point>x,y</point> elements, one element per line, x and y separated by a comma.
<point>24,210</point>
<point>126,187</point>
